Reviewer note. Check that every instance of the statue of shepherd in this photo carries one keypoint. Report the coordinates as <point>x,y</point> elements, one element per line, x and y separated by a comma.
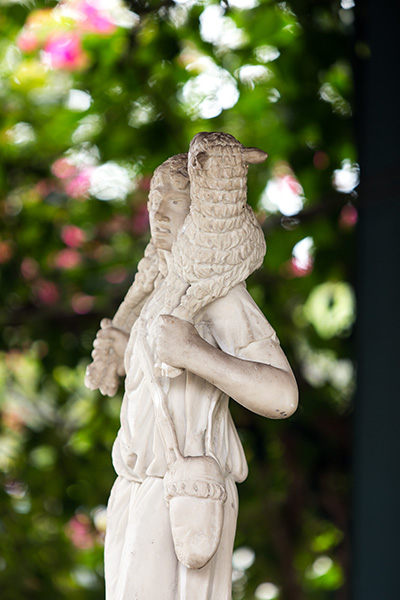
<point>188,337</point>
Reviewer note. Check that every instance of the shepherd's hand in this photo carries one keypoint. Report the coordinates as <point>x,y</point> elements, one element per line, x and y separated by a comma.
<point>111,341</point>
<point>175,339</point>
<point>108,359</point>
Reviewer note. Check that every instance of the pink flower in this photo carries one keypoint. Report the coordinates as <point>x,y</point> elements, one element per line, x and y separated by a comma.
<point>68,259</point>
<point>117,275</point>
<point>291,182</point>
<point>62,168</point>
<point>82,303</point>
<point>294,268</point>
<point>321,160</point>
<point>73,236</point>
<point>348,216</point>
<point>140,223</point>
<point>114,225</point>
<point>27,41</point>
<point>144,183</point>
<point>96,20</point>
<point>64,51</point>
<point>12,418</point>
<point>47,292</point>
<point>6,251</point>
<point>29,268</point>
<point>44,187</point>
<point>79,532</point>
<point>301,269</point>
<point>79,185</point>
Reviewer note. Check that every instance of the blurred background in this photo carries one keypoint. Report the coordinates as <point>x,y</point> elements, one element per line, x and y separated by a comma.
<point>94,96</point>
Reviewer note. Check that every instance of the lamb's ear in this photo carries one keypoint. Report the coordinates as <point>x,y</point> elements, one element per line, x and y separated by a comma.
<point>202,159</point>
<point>254,156</point>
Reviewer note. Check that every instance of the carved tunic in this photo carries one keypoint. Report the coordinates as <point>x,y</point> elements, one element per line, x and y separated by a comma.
<point>199,410</point>
<point>138,520</point>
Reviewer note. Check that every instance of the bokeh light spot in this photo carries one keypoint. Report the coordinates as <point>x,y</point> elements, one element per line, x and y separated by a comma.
<point>243,558</point>
<point>283,193</point>
<point>110,182</point>
<point>267,591</point>
<point>347,177</point>
<point>330,308</point>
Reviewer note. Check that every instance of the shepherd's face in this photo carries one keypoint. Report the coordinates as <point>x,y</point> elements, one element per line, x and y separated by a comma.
<point>168,208</point>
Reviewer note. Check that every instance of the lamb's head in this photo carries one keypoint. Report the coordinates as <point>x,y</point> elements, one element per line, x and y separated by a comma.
<point>219,152</point>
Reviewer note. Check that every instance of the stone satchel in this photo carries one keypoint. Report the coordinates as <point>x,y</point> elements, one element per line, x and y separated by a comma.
<point>194,486</point>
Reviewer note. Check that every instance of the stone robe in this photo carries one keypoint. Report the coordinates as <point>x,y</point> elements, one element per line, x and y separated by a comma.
<point>140,561</point>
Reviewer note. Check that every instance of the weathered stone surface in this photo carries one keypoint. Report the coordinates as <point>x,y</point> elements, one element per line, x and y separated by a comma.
<point>188,336</point>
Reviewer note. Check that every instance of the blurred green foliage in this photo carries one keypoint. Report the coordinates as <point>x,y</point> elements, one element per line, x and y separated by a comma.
<point>94,96</point>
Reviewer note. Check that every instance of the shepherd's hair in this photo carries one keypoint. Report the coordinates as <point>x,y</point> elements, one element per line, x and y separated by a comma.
<point>152,265</point>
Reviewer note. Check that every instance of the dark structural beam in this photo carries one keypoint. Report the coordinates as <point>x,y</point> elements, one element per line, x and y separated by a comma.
<point>376,500</point>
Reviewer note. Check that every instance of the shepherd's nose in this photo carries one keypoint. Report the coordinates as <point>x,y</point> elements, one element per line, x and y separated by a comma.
<point>160,212</point>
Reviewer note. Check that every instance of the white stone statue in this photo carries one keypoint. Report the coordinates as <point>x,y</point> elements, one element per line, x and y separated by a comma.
<point>188,336</point>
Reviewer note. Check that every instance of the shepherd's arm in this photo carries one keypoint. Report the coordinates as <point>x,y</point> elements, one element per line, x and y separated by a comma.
<point>266,388</point>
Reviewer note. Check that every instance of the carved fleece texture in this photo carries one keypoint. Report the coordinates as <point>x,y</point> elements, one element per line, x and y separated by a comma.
<point>221,242</point>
